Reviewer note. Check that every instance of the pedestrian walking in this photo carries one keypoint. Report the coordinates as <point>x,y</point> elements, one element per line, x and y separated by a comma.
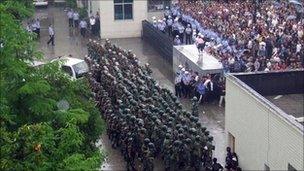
<point>83,27</point>
<point>52,35</point>
<point>76,19</point>
<point>70,17</point>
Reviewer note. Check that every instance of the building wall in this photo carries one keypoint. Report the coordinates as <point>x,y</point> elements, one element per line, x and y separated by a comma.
<point>261,137</point>
<point>111,28</point>
<point>93,5</point>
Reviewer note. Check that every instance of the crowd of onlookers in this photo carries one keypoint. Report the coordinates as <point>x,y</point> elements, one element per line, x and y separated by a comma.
<point>271,41</point>
<point>87,25</point>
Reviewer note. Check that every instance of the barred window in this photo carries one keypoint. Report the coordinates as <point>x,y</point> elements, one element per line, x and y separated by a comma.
<point>123,9</point>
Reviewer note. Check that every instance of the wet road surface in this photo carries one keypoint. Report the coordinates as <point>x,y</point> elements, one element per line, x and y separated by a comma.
<point>68,41</point>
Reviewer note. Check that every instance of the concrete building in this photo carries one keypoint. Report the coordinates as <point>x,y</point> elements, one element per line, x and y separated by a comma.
<point>264,119</point>
<point>123,18</point>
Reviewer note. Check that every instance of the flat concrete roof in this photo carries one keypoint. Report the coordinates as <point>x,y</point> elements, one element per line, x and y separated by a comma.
<point>282,92</point>
<point>209,63</point>
<point>292,104</point>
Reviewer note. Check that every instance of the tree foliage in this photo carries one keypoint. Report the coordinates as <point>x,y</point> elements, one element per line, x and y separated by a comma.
<point>35,133</point>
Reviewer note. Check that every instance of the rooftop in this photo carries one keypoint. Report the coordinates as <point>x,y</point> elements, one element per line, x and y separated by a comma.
<point>282,92</point>
<point>292,104</point>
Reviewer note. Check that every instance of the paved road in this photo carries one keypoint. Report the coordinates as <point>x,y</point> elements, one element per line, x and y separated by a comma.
<point>68,41</point>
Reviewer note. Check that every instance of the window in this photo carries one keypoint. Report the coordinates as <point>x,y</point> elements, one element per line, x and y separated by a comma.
<point>80,69</point>
<point>67,70</point>
<point>158,5</point>
<point>123,9</point>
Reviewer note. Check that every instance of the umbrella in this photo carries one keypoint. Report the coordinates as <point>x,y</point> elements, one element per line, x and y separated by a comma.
<point>291,17</point>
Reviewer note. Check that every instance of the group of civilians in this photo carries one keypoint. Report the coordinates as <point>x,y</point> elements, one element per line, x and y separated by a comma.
<point>269,39</point>
<point>87,26</point>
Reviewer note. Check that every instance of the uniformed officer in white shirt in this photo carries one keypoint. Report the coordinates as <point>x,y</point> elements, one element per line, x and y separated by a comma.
<point>167,12</point>
<point>175,28</point>
<point>51,34</point>
<point>76,19</point>
<point>83,27</point>
<point>70,17</point>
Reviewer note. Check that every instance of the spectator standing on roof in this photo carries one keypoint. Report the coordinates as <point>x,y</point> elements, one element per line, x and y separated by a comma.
<point>200,43</point>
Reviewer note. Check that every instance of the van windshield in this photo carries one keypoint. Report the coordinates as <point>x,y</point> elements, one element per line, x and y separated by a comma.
<point>80,69</point>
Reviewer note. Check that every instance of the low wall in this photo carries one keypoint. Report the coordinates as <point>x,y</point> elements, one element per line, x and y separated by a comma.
<point>160,41</point>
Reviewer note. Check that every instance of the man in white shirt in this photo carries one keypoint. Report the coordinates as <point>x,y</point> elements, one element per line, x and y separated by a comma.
<point>92,25</point>
<point>83,27</point>
<point>76,19</point>
<point>51,34</point>
<point>70,17</point>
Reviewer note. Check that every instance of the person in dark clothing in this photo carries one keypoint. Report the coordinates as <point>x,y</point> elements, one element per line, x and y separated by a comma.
<point>228,159</point>
<point>97,25</point>
<point>216,166</point>
<point>234,161</point>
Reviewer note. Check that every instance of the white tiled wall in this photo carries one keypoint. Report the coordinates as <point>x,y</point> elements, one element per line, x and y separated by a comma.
<point>261,137</point>
<point>111,28</point>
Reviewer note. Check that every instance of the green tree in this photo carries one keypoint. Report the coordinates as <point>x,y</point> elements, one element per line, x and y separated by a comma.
<point>36,134</point>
